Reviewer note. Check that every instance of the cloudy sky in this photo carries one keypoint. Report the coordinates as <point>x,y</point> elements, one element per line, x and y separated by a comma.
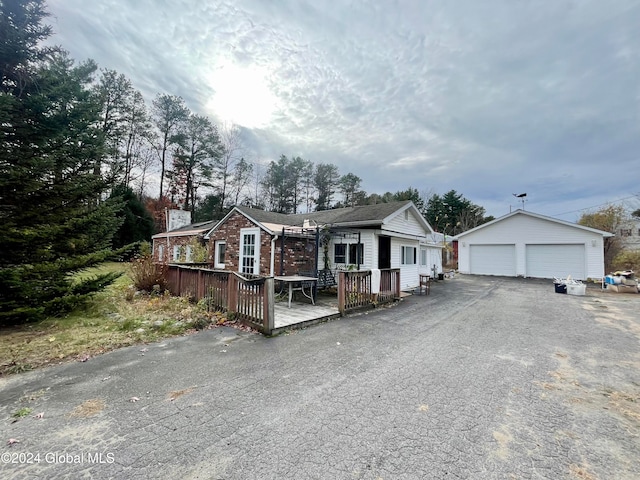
<point>488,98</point>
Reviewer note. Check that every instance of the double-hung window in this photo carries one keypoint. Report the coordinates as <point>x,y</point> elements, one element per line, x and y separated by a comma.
<point>340,253</point>
<point>408,255</point>
<point>220,252</point>
<point>423,257</point>
<point>356,253</point>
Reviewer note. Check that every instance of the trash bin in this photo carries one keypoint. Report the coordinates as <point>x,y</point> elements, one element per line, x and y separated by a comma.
<point>560,287</point>
<point>441,276</point>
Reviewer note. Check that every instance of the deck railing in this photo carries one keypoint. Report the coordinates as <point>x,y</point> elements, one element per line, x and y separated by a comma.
<point>355,292</point>
<point>389,285</point>
<point>249,300</point>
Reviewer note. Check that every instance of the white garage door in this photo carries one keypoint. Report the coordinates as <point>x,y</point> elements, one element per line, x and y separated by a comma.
<point>549,261</point>
<point>493,260</point>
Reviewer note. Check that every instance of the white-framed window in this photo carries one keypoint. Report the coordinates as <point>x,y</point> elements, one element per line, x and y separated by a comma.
<point>161,253</point>
<point>408,255</point>
<point>189,254</point>
<point>220,252</point>
<point>249,261</point>
<point>423,257</point>
<point>348,253</point>
<point>176,252</point>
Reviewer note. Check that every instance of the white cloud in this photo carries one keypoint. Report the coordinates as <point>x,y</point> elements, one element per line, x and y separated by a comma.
<point>482,97</point>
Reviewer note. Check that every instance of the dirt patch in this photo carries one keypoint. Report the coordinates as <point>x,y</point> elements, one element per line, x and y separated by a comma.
<point>88,409</point>
<point>626,404</point>
<point>579,471</point>
<point>175,394</point>
<point>504,438</point>
<point>606,312</point>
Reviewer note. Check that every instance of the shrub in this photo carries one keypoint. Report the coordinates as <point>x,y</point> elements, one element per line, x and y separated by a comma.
<point>147,275</point>
<point>627,260</point>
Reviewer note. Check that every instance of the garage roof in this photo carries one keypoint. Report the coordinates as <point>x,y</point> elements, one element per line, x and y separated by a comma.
<point>534,215</point>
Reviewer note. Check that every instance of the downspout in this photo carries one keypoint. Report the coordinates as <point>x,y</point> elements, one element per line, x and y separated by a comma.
<point>272,265</point>
<point>282,253</point>
<point>166,217</point>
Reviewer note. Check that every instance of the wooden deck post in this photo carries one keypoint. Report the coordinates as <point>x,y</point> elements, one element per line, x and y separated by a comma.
<point>268,306</point>
<point>179,292</point>
<point>199,286</point>
<point>397,292</point>
<point>232,306</point>
<point>342,285</point>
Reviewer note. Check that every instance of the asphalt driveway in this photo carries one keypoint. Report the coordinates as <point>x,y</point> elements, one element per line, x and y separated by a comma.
<point>484,378</point>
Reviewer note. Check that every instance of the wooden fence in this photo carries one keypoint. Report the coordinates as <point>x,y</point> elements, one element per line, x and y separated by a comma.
<point>355,292</point>
<point>249,300</point>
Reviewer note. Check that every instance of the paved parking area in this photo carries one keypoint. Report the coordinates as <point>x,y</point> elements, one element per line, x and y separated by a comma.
<point>484,378</point>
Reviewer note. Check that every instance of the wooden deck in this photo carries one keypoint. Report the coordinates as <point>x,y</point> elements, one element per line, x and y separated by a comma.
<point>303,314</point>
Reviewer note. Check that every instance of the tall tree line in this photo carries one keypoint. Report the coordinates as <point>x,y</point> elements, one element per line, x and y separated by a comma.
<point>54,219</point>
<point>294,184</point>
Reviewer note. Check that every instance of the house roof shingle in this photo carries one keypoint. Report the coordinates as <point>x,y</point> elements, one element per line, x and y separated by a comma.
<point>374,214</point>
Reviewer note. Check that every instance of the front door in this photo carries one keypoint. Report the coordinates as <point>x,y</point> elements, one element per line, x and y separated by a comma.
<point>250,251</point>
<point>384,252</point>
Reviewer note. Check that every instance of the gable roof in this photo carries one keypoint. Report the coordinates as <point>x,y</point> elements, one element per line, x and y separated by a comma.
<point>363,215</point>
<point>533,215</point>
<point>191,229</point>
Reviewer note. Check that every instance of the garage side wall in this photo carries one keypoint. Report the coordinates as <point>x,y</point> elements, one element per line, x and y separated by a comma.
<point>521,230</point>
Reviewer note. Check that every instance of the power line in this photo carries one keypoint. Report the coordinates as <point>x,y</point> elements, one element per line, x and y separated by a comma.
<point>595,206</point>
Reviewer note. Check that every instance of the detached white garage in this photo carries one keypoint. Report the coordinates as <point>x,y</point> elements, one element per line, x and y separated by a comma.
<point>530,245</point>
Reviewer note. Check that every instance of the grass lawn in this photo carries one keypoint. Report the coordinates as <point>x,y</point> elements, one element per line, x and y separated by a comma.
<point>115,317</point>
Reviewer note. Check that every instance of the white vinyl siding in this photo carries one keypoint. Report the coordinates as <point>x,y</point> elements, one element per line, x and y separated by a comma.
<point>549,261</point>
<point>343,252</point>
<point>430,256</point>
<point>493,260</point>
<point>408,226</point>
<point>408,273</point>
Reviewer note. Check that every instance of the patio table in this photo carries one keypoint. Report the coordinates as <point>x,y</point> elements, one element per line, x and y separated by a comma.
<point>301,281</point>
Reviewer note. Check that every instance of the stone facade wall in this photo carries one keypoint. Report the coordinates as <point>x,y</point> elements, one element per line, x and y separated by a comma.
<point>298,255</point>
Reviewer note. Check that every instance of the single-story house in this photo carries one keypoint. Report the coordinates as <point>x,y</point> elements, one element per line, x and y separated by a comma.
<point>179,245</point>
<point>527,244</point>
<point>629,233</point>
<point>385,235</point>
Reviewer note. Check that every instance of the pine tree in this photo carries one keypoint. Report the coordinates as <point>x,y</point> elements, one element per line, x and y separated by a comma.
<point>54,222</point>
<point>137,225</point>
